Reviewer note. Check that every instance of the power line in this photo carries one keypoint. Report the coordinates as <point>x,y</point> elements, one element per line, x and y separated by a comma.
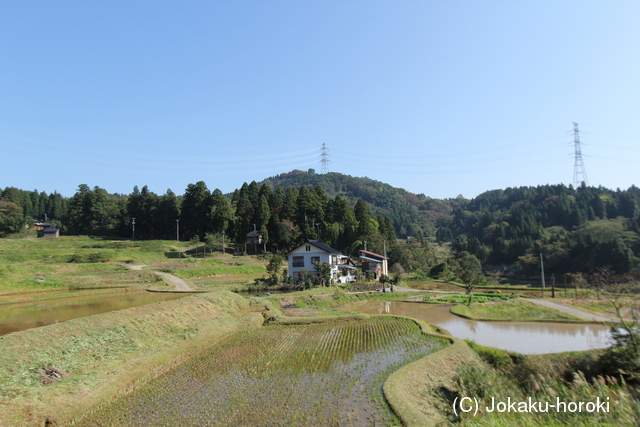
<point>579,173</point>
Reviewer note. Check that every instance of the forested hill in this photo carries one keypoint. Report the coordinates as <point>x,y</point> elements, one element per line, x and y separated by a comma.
<point>577,230</point>
<point>405,209</point>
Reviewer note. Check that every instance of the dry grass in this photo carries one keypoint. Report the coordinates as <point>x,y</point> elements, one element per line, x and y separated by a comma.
<point>108,354</point>
<point>415,392</point>
<point>601,305</point>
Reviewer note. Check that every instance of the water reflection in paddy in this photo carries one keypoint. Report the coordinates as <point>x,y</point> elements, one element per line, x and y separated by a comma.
<point>521,337</point>
<point>18,317</point>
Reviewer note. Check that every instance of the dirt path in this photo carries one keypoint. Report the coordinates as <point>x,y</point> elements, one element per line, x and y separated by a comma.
<point>180,284</point>
<point>570,310</point>
<point>397,288</point>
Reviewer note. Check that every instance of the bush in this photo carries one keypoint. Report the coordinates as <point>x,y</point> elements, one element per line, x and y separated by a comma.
<point>90,258</point>
<point>479,298</point>
<point>493,356</point>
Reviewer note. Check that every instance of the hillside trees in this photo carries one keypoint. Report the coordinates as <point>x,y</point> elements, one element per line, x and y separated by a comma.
<point>96,212</point>
<point>11,217</point>
<point>34,205</point>
<point>243,215</point>
<point>576,230</point>
<point>168,212</point>
<point>222,213</point>
<point>143,206</point>
<point>196,211</point>
<point>367,224</point>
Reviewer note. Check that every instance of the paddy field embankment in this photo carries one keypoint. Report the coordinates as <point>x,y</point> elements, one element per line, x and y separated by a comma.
<point>58,372</point>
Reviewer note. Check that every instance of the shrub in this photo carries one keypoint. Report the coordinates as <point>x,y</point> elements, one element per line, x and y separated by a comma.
<point>493,356</point>
<point>90,258</point>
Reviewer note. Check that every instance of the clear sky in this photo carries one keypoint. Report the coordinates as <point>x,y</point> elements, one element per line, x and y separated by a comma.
<point>437,97</point>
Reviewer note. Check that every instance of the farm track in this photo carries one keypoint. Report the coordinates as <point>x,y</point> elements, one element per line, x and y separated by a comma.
<point>570,310</point>
<point>180,284</point>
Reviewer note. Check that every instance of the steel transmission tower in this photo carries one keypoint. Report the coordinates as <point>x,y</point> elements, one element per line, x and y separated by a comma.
<point>324,158</point>
<point>579,173</point>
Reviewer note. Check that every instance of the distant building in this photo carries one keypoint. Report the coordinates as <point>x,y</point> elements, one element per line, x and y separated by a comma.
<point>346,269</point>
<point>375,263</point>
<point>254,238</point>
<point>46,229</point>
<point>38,225</point>
<point>313,252</point>
<point>49,232</point>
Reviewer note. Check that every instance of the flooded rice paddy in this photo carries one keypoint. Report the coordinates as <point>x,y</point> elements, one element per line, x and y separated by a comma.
<point>520,337</point>
<point>20,316</point>
<point>322,374</point>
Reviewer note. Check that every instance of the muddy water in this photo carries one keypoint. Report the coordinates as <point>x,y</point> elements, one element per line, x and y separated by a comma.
<point>520,337</point>
<point>18,317</point>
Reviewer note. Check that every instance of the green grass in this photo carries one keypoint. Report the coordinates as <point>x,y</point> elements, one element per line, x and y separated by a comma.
<point>514,310</point>
<point>315,374</point>
<point>477,298</point>
<point>88,262</point>
<point>214,271</point>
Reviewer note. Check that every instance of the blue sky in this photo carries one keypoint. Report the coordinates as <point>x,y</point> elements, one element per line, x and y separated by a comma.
<point>440,98</point>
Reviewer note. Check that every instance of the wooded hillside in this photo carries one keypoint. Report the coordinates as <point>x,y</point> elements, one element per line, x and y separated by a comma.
<point>577,230</point>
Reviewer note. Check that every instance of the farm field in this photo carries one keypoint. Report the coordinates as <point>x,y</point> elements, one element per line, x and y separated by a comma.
<point>318,374</point>
<point>82,262</point>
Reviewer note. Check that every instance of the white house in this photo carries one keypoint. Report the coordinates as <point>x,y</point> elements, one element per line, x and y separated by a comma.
<point>310,253</point>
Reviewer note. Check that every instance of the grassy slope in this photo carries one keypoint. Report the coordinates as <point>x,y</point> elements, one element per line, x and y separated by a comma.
<point>516,310</point>
<point>569,377</point>
<point>415,391</point>
<point>28,265</point>
<point>107,354</point>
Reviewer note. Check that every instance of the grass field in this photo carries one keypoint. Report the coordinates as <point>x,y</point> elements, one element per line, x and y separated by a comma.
<point>515,310</point>
<point>81,262</point>
<point>317,374</point>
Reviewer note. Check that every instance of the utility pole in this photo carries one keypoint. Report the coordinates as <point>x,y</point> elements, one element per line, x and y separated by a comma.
<point>133,227</point>
<point>255,240</point>
<point>542,267</point>
<point>579,172</point>
<point>223,242</point>
<point>385,267</point>
<point>178,234</point>
<point>324,158</point>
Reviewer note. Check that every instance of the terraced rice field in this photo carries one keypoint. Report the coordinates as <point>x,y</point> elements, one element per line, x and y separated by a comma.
<point>320,374</point>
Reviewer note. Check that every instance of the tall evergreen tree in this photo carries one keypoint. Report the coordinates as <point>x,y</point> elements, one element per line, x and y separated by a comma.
<point>195,218</point>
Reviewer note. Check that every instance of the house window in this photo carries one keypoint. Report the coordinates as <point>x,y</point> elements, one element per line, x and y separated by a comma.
<point>308,248</point>
<point>315,260</point>
<point>298,261</point>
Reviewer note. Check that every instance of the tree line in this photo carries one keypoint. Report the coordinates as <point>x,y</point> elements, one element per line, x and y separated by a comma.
<point>576,230</point>
<point>579,230</point>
